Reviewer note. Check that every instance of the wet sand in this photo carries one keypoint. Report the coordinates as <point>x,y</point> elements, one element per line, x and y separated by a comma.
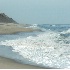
<point>6,63</point>
<point>11,28</point>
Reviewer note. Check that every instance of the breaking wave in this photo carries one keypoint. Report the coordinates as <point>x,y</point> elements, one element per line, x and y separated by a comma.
<point>48,48</point>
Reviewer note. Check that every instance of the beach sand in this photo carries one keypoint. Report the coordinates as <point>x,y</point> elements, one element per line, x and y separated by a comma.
<point>6,63</point>
<point>11,28</point>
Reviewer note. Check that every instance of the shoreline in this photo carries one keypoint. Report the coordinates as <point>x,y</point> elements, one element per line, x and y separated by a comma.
<point>6,63</point>
<point>12,28</point>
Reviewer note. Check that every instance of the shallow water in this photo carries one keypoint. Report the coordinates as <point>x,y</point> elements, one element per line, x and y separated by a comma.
<point>50,48</point>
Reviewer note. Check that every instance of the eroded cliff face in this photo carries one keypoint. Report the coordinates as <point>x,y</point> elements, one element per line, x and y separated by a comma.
<point>5,19</point>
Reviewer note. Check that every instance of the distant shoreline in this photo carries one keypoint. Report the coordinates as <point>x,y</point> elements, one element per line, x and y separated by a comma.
<point>12,28</point>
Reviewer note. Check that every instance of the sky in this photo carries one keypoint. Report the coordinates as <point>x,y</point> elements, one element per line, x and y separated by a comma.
<point>37,11</point>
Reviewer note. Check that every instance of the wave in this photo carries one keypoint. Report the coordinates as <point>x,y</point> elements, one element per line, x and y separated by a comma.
<point>36,26</point>
<point>48,49</point>
<point>33,26</point>
<point>53,25</point>
<point>65,32</point>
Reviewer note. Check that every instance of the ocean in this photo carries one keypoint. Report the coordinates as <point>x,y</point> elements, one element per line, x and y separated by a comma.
<point>49,47</point>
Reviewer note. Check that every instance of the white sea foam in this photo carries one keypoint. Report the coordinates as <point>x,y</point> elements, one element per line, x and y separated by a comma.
<point>65,32</point>
<point>33,26</point>
<point>48,49</point>
<point>53,25</point>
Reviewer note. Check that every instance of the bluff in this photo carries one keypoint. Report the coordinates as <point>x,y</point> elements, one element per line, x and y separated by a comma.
<point>5,19</point>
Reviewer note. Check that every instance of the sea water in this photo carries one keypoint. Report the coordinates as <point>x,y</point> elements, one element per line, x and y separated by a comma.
<point>48,48</point>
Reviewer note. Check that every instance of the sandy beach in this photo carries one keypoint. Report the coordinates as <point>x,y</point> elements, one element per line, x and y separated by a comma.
<point>11,28</point>
<point>6,63</point>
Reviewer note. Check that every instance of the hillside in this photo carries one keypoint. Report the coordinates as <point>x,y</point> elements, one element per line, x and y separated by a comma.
<point>5,19</point>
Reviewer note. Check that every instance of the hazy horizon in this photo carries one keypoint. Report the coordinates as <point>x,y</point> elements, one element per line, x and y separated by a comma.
<point>37,11</point>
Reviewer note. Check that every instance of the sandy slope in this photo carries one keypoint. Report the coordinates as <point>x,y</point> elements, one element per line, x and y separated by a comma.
<point>10,28</point>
